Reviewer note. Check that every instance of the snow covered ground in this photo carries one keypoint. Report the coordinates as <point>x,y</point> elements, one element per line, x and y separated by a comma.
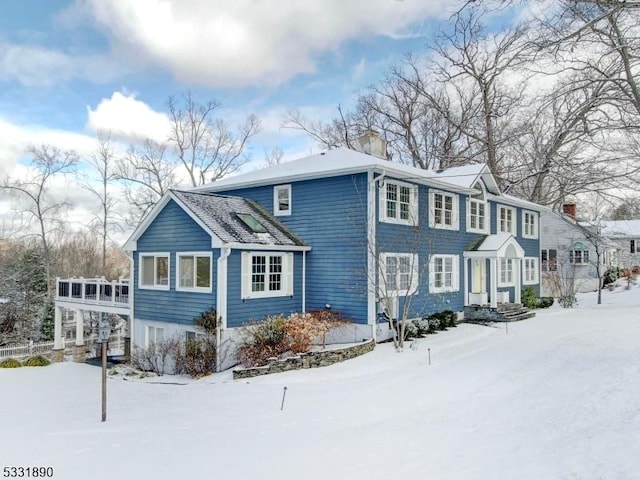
<point>558,397</point>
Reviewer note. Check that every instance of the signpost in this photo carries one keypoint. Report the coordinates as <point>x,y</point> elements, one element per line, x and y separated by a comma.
<point>104,331</point>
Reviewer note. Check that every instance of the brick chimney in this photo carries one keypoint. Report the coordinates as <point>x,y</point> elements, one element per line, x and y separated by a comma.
<point>570,210</point>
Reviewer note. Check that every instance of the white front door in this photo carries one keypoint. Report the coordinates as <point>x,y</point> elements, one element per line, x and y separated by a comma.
<point>477,276</point>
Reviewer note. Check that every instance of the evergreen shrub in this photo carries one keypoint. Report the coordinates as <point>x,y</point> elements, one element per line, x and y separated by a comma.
<point>10,363</point>
<point>37,361</point>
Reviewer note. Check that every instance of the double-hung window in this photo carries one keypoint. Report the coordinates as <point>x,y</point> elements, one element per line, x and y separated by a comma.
<point>530,271</point>
<point>194,272</point>
<point>154,271</point>
<point>477,217</point>
<point>399,203</point>
<point>579,257</point>
<point>634,246</point>
<point>507,220</point>
<point>529,224</point>
<point>154,335</point>
<point>506,277</point>
<point>443,211</point>
<point>549,259</point>
<point>282,200</point>
<point>444,275</point>
<point>398,274</point>
<point>267,274</point>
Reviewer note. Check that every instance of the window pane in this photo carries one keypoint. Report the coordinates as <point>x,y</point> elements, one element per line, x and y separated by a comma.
<point>162,271</point>
<point>283,199</point>
<point>186,271</point>
<point>203,272</point>
<point>258,270</point>
<point>147,264</point>
<point>275,273</point>
<point>392,273</point>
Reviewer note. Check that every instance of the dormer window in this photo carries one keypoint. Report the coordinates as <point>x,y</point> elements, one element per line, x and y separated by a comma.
<point>478,211</point>
<point>282,200</point>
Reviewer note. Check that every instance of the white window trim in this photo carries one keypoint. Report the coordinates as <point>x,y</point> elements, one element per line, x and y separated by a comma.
<point>507,283</point>
<point>536,224</point>
<point>455,274</point>
<point>413,205</point>
<point>208,289</point>
<point>572,257</point>
<point>286,279</point>
<point>155,255</point>
<point>276,211</point>
<point>414,280</point>
<point>536,271</point>
<point>154,329</point>
<point>547,269</point>
<point>514,220</point>
<point>487,216</point>
<point>455,210</point>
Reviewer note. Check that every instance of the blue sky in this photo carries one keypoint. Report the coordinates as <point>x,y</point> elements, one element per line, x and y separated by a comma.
<point>70,67</point>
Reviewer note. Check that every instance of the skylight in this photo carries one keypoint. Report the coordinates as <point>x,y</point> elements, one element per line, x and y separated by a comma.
<point>249,220</point>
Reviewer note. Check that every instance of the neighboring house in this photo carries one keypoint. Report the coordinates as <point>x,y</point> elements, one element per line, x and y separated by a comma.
<point>341,230</point>
<point>625,235</point>
<point>570,252</point>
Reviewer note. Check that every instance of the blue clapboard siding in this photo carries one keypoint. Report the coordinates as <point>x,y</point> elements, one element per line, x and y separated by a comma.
<point>241,312</point>
<point>426,242</point>
<point>173,231</point>
<point>330,215</point>
<point>531,246</point>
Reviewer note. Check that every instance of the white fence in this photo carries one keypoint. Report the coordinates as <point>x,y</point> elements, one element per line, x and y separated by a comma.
<point>116,346</point>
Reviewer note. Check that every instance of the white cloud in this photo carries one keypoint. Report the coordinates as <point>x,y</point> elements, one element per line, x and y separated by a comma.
<point>127,117</point>
<point>34,65</point>
<point>15,138</point>
<point>245,42</point>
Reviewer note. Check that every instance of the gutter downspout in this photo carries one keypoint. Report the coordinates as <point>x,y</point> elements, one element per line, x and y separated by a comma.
<point>304,281</point>
<point>221,301</point>
<point>371,250</point>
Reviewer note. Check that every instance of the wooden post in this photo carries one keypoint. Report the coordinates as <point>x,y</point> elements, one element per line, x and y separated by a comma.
<point>104,381</point>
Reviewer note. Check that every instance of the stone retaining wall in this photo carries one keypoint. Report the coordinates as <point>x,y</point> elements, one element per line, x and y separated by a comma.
<point>307,360</point>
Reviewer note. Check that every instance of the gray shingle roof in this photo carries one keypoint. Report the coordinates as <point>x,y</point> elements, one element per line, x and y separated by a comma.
<point>219,214</point>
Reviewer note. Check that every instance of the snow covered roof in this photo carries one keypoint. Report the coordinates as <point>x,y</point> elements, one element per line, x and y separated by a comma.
<point>496,245</point>
<point>620,228</point>
<point>230,220</point>
<point>343,161</point>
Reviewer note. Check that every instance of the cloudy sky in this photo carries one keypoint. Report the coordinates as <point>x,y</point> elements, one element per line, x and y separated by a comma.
<point>69,68</point>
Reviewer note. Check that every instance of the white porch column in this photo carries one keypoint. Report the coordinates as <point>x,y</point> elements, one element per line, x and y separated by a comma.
<point>493,282</point>
<point>518,277</point>
<point>79,327</point>
<point>58,343</point>
<point>466,281</point>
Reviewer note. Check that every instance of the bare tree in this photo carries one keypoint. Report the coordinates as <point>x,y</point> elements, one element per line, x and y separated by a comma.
<point>147,175</point>
<point>207,147</point>
<point>103,161</point>
<point>34,199</point>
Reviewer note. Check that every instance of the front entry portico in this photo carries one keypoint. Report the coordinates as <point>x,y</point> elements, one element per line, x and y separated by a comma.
<point>482,289</point>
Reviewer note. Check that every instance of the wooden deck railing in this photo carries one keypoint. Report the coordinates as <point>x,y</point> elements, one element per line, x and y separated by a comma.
<point>93,291</point>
